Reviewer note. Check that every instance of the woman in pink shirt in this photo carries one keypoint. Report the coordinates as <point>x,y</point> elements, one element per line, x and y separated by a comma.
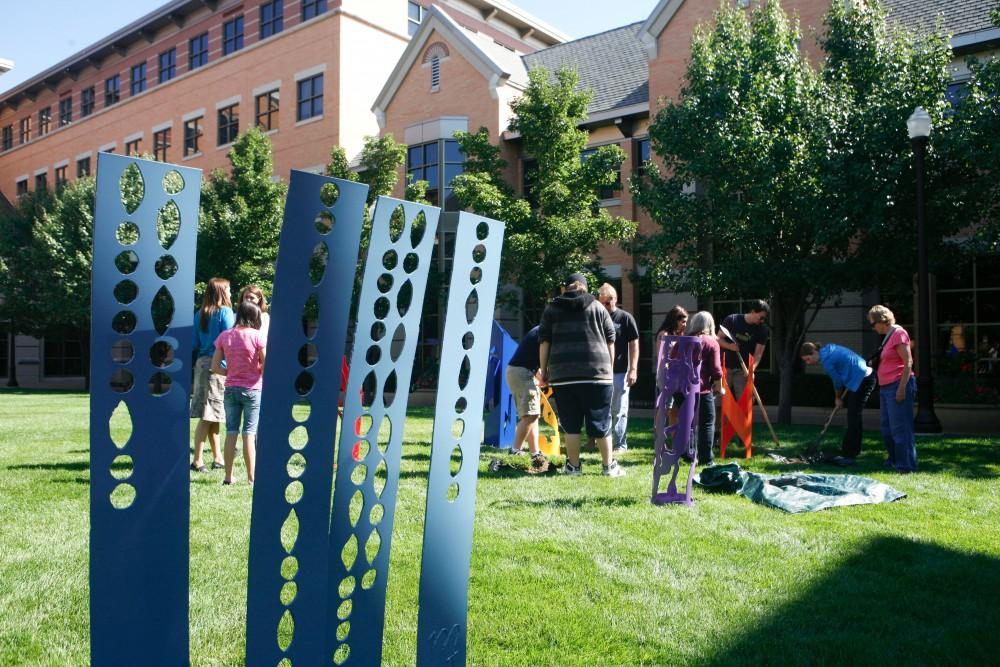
<point>897,390</point>
<point>243,349</point>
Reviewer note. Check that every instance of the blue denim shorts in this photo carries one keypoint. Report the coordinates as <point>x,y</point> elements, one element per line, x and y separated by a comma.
<point>242,403</point>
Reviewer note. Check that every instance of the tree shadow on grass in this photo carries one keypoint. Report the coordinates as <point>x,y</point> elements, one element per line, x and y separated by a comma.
<point>570,503</point>
<point>69,465</point>
<point>895,602</point>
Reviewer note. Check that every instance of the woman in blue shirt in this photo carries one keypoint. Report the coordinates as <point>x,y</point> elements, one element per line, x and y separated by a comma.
<point>853,381</point>
<point>215,316</point>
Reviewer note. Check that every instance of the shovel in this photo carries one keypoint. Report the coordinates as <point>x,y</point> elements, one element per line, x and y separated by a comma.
<point>813,447</point>
<point>746,372</point>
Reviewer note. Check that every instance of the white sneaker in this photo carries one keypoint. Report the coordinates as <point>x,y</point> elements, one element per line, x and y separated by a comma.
<point>614,470</point>
<point>570,469</point>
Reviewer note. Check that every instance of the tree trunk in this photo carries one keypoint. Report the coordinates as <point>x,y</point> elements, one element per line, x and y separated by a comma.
<point>11,361</point>
<point>786,311</point>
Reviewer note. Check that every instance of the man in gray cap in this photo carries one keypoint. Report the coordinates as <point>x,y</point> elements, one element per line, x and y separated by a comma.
<point>576,353</point>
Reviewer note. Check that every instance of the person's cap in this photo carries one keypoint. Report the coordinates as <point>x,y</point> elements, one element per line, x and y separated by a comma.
<point>575,278</point>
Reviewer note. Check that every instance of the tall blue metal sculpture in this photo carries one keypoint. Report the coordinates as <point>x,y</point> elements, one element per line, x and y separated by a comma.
<point>143,282</point>
<point>317,256</point>
<point>451,488</point>
<point>501,421</point>
<point>364,499</point>
<point>678,372</point>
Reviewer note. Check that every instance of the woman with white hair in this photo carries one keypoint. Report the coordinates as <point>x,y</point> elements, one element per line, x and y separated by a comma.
<point>702,324</point>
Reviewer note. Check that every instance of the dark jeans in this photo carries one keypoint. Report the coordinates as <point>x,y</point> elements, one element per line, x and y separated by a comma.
<point>704,428</point>
<point>897,426</point>
<point>855,401</point>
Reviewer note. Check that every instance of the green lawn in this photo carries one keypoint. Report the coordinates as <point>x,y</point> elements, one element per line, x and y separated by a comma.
<point>577,571</point>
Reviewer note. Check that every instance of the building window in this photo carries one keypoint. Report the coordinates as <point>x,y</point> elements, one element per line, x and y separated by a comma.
<point>63,355</point>
<point>60,177</point>
<point>65,111</point>
<point>641,156</point>
<point>83,167</point>
<point>41,181</point>
<point>266,110</point>
<point>414,15</point>
<point>228,121</point>
<point>137,79</point>
<point>134,147</point>
<point>272,18</point>
<point>87,101</point>
<point>198,51</point>
<point>310,97</point>
<point>44,120</point>
<point>424,163</point>
<point>161,142</point>
<point>312,8</point>
<point>8,137</point>
<point>24,128</point>
<point>112,90</point>
<point>192,135</point>
<point>605,191</point>
<point>232,35</point>
<point>168,65</point>
<point>22,187</point>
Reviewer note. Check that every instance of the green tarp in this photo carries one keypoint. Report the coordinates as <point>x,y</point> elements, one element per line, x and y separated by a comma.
<point>797,492</point>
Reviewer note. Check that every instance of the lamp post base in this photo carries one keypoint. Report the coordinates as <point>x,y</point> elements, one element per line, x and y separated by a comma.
<point>926,423</point>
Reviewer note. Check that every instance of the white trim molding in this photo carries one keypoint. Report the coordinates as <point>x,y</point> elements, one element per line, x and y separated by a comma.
<point>228,102</point>
<point>61,163</point>
<point>39,172</point>
<point>191,115</point>
<point>135,135</point>
<point>267,87</point>
<point>169,125</point>
<point>84,155</point>
<point>312,71</point>
<point>108,147</point>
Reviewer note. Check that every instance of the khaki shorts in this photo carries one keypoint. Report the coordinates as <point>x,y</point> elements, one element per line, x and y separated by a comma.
<point>208,392</point>
<point>527,397</point>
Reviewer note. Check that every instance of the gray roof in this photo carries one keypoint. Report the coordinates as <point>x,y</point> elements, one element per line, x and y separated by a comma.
<point>958,17</point>
<point>613,64</point>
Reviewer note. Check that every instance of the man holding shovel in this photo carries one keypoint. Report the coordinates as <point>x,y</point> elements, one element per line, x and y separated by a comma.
<point>741,335</point>
<point>853,381</point>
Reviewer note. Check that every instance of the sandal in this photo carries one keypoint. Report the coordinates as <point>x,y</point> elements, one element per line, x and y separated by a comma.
<point>217,466</point>
<point>198,468</point>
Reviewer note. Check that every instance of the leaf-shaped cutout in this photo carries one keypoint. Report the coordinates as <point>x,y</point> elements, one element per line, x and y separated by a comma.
<point>310,316</point>
<point>296,465</point>
<point>324,222</point>
<point>359,474</point>
<point>457,428</point>
<point>417,229</point>
<point>168,224</point>
<point>122,351</point>
<point>288,592</point>
<point>397,222</point>
<point>369,387</point>
<point>468,340</point>
<point>329,194</point>
<point>362,425</point>
<point>349,553</point>
<point>384,283</point>
<point>381,307</point>
<point>127,261</point>
<point>389,390</point>
<point>389,260</point>
<point>463,372</point>
<point>368,579</point>
<point>160,383</point>
<point>373,355</point>
<point>165,267</point>
<point>346,587</point>
<point>398,342</point>
<point>375,516</point>
<point>131,188</point>
<point>293,492</point>
<point>161,354</point>
<point>304,383</point>
<point>356,507</point>
<point>455,460</point>
<point>361,450</point>
<point>173,182</point>
<point>317,262</point>
<point>452,492</point>
<point>124,322</point>
<point>472,306</point>
<point>411,262</point>
<point>121,467</point>
<point>286,630</point>
<point>372,545</point>
<point>460,405</point>
<point>345,609</point>
<point>121,380</point>
<point>122,496</point>
<point>308,354</point>
<point>384,435</point>
<point>127,233</point>
<point>289,567</point>
<point>298,438</point>
<point>162,310</point>
<point>475,275</point>
<point>479,253</point>
<point>120,425</point>
<point>378,331</point>
<point>404,298</point>
<point>482,231</point>
<point>342,653</point>
<point>343,630</point>
<point>290,531</point>
<point>381,474</point>
<point>301,410</point>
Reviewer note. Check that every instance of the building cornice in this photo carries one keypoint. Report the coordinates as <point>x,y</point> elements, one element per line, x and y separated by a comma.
<point>657,22</point>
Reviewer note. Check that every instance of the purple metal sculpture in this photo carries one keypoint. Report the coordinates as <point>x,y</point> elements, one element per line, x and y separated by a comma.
<point>678,371</point>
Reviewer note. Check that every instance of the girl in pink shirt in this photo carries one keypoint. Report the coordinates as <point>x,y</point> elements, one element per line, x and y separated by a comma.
<point>243,349</point>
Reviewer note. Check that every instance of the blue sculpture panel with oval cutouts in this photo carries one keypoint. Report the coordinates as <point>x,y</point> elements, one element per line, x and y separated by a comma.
<point>371,434</point>
<point>289,531</point>
<point>145,229</point>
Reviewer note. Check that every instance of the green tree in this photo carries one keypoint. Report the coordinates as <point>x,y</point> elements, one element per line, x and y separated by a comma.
<point>559,226</point>
<point>783,182</point>
<point>241,215</point>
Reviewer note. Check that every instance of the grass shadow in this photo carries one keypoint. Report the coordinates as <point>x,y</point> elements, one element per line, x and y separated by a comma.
<point>69,465</point>
<point>895,602</point>
<point>571,503</point>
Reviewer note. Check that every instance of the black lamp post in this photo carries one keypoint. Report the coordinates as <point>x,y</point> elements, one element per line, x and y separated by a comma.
<point>919,127</point>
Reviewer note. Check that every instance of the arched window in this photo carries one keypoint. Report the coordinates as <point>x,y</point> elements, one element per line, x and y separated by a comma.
<point>433,56</point>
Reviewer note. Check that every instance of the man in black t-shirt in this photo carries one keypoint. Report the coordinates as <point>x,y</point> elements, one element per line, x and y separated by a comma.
<point>625,364</point>
<point>747,334</point>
